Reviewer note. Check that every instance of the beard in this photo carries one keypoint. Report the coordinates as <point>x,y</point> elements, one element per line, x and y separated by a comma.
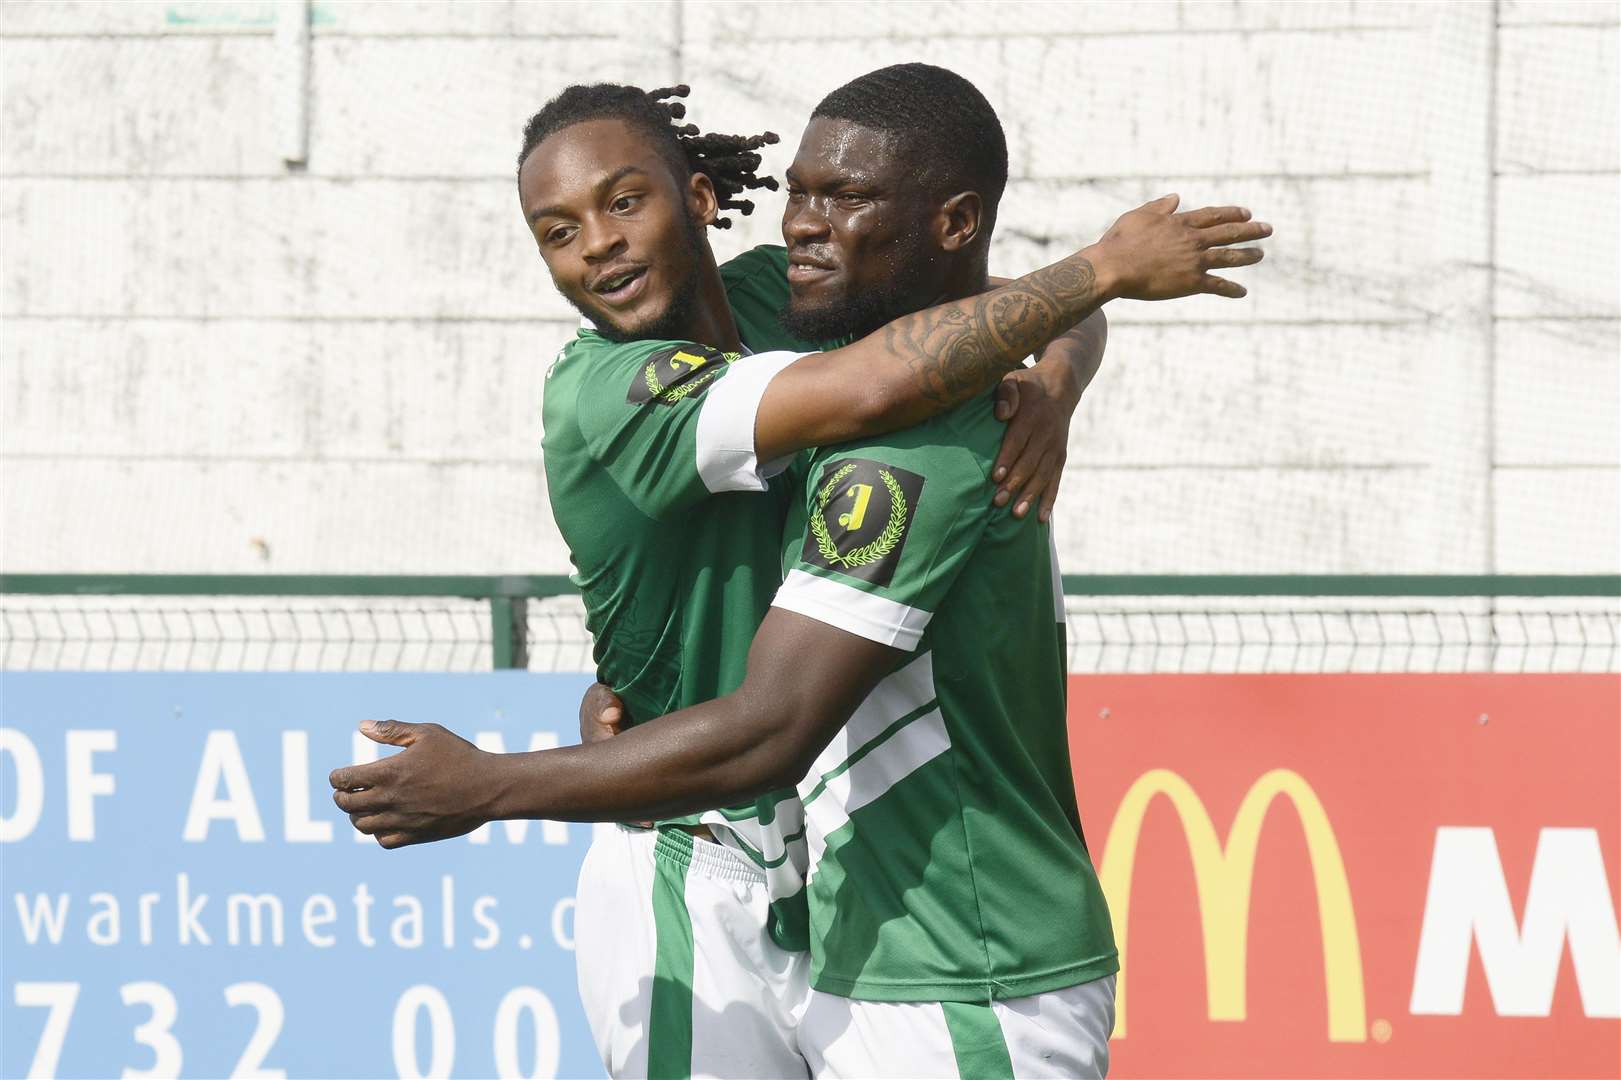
<point>853,315</point>
<point>862,309</point>
<point>672,323</point>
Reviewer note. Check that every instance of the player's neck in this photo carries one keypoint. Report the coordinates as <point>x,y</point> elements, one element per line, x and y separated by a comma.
<point>712,322</point>
<point>967,278</point>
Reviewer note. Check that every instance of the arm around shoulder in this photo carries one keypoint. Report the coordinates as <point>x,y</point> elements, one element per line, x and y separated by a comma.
<point>925,363</point>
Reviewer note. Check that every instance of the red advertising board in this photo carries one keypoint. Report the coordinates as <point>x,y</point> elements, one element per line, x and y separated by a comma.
<point>1358,875</point>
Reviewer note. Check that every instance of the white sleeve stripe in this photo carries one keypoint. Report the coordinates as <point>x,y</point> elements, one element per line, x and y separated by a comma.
<point>904,691</point>
<point>726,458</point>
<point>892,761</point>
<point>864,614</point>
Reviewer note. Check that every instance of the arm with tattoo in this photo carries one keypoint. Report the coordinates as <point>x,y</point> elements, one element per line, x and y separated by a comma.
<point>958,350</point>
<point>927,362</point>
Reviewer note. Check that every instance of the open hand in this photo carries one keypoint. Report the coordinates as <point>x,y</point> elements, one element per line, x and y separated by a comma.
<point>1155,253</point>
<point>1035,446</point>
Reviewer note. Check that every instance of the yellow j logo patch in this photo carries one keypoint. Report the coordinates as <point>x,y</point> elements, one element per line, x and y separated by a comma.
<point>860,513</point>
<point>674,374</point>
<point>863,495</point>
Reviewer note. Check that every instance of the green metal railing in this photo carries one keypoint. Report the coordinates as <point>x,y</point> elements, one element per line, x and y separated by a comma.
<point>508,595</point>
<point>1344,611</point>
<point>1491,585</point>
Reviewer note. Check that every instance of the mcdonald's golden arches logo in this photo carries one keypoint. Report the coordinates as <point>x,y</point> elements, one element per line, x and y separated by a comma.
<point>1223,875</point>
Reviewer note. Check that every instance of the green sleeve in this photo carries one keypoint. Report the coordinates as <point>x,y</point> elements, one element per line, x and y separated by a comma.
<point>885,528</point>
<point>641,413</point>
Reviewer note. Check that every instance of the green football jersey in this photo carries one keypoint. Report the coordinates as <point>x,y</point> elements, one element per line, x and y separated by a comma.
<point>675,529</point>
<point>946,860</point>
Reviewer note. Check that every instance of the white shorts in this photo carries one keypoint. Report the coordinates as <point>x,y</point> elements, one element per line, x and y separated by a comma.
<point>677,973</point>
<point>1062,1033</point>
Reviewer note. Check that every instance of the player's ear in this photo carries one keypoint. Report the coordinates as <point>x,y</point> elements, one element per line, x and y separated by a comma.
<point>702,203</point>
<point>959,220</point>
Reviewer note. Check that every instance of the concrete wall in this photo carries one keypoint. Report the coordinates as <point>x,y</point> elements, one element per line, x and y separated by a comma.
<point>214,363</point>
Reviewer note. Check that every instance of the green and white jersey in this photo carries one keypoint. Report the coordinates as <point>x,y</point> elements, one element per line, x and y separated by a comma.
<point>675,528</point>
<point>946,861</point>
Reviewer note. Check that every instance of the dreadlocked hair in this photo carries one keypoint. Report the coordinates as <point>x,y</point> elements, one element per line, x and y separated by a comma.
<point>730,161</point>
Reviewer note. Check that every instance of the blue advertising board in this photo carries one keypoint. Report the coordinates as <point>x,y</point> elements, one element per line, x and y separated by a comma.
<point>183,898</point>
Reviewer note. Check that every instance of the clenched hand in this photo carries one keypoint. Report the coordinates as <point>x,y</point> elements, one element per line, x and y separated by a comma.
<point>439,786</point>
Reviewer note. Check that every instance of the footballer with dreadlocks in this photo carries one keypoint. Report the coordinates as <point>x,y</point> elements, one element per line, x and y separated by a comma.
<point>946,799</point>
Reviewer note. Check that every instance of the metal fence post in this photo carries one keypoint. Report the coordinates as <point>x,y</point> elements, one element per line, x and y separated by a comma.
<point>509,631</point>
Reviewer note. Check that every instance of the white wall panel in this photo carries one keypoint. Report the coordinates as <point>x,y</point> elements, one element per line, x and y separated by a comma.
<point>271,248</point>
<point>95,18</point>
<point>1559,245</point>
<point>447,106</point>
<point>222,390</point>
<point>1248,396</point>
<point>607,20</point>
<point>1558,521</point>
<point>277,517</point>
<point>1192,521</point>
<point>1546,12</point>
<point>720,19</point>
<point>565,19</point>
<point>1558,392</point>
<point>137,106</point>
<point>1335,103</point>
<point>1302,14</point>
<point>1558,100</point>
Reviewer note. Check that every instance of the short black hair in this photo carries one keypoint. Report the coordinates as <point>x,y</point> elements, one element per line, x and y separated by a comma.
<point>947,130</point>
<point>728,160</point>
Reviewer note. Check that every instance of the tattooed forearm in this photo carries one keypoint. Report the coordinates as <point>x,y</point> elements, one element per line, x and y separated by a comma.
<point>924,363</point>
<point>961,349</point>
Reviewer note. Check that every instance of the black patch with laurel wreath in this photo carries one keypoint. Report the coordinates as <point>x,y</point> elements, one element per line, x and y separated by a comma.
<point>676,374</point>
<point>861,511</point>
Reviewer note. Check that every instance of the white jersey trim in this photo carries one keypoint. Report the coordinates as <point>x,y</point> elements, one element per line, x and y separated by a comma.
<point>907,690</point>
<point>864,614</point>
<point>898,757</point>
<point>726,457</point>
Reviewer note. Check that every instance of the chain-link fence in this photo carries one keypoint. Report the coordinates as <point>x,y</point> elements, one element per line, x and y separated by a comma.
<point>1412,625</point>
<point>229,633</point>
<point>1312,634</point>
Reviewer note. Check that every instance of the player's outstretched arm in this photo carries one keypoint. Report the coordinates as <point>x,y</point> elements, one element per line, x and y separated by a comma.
<point>929,361</point>
<point>804,680</point>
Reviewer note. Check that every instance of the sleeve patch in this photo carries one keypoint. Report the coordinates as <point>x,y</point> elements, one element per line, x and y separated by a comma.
<point>677,373</point>
<point>859,518</point>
